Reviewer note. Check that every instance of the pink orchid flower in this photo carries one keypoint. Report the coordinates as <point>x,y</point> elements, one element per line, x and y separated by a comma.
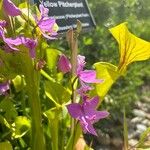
<point>87,114</point>
<point>9,44</point>
<point>47,25</point>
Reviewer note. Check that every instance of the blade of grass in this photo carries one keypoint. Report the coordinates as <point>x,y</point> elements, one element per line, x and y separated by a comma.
<point>125,132</point>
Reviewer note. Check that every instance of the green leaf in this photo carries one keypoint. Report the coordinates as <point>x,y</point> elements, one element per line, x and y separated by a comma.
<point>46,76</point>
<point>52,58</point>
<point>143,137</point>
<point>8,108</point>
<point>147,148</point>
<point>56,92</point>
<point>21,126</point>
<point>3,121</point>
<point>1,2</point>
<point>79,27</point>
<point>5,146</point>
<point>53,118</point>
<point>88,41</point>
<point>109,74</point>
<point>10,68</point>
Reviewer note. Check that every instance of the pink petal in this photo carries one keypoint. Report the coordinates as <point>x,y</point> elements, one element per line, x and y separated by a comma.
<point>90,111</point>
<point>87,126</point>
<point>83,89</point>
<point>100,115</point>
<point>80,63</point>
<point>44,11</point>
<point>64,64</point>
<point>10,8</point>
<point>14,41</point>
<point>10,43</point>
<point>89,107</point>
<point>31,44</point>
<point>2,33</point>
<point>91,104</point>
<point>89,76</point>
<point>46,27</point>
<point>47,24</point>
<point>75,110</point>
<point>50,37</point>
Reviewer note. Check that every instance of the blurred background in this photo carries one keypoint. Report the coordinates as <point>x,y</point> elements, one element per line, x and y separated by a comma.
<point>132,91</point>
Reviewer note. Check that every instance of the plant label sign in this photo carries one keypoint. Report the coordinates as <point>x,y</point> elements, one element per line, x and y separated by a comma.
<point>67,12</point>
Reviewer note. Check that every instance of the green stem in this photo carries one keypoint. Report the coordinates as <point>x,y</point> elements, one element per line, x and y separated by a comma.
<point>32,86</point>
<point>72,39</point>
<point>74,137</point>
<point>54,133</point>
<point>73,43</point>
<point>34,101</point>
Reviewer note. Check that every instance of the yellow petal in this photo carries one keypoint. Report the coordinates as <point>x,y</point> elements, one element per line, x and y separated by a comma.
<point>109,74</point>
<point>131,48</point>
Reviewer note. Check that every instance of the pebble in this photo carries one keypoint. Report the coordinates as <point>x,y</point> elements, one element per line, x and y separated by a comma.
<point>133,142</point>
<point>142,106</point>
<point>136,120</point>
<point>139,113</point>
<point>146,122</point>
<point>117,142</point>
<point>146,99</point>
<point>133,134</point>
<point>141,127</point>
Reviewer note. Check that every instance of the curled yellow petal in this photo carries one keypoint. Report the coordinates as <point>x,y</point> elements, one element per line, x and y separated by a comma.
<point>131,48</point>
<point>109,73</point>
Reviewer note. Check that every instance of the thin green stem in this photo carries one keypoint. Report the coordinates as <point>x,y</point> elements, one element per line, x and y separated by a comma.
<point>74,137</point>
<point>12,23</point>
<point>73,89</point>
<point>28,5</point>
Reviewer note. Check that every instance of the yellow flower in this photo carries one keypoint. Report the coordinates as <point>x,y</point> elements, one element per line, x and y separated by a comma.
<point>131,48</point>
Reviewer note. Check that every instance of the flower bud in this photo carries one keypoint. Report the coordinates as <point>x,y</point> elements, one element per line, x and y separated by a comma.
<point>64,64</point>
<point>40,64</point>
<point>4,87</point>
